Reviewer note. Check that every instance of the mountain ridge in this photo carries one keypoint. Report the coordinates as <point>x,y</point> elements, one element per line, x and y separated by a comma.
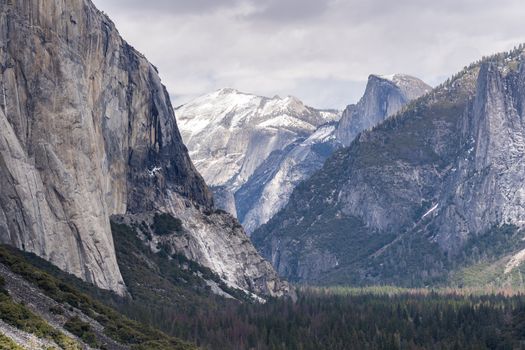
<point>266,187</point>
<point>400,186</point>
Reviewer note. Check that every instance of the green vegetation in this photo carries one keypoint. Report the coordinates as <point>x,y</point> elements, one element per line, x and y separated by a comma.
<point>168,293</point>
<point>493,244</point>
<point>116,326</point>
<point>484,258</point>
<point>413,260</point>
<point>164,296</point>
<point>7,344</point>
<point>82,330</point>
<point>19,316</point>
<point>165,224</point>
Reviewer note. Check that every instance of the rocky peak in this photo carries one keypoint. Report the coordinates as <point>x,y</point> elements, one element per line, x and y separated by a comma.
<point>384,96</point>
<point>411,87</point>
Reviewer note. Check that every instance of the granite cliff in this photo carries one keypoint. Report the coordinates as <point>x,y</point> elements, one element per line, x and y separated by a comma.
<point>87,131</point>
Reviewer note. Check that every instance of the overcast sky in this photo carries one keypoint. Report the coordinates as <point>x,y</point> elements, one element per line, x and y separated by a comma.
<point>321,51</point>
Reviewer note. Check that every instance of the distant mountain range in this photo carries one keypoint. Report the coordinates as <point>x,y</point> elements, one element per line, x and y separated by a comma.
<point>254,150</point>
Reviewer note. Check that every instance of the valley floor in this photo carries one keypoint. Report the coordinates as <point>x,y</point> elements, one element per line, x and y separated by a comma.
<point>372,318</point>
<point>322,318</point>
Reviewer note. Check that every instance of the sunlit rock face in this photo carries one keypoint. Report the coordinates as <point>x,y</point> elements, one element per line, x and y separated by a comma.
<point>233,136</point>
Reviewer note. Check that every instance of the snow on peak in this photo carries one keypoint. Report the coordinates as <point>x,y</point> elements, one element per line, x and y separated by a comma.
<point>411,86</point>
<point>225,91</point>
<point>229,133</point>
<point>323,134</point>
<point>230,108</point>
<point>396,78</point>
<point>390,77</point>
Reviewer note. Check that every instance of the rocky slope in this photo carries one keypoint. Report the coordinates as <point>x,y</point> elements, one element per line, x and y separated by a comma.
<point>43,311</point>
<point>429,196</point>
<point>269,189</point>
<point>87,131</point>
<point>271,145</point>
<point>24,293</point>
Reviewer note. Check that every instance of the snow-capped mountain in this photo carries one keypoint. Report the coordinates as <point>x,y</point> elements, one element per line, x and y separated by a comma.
<point>229,134</point>
<point>254,150</point>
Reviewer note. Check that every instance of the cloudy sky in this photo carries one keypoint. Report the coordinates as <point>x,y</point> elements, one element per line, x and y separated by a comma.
<point>321,51</point>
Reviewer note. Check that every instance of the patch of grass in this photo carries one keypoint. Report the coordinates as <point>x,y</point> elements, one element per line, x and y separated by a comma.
<point>478,274</point>
<point>7,344</point>
<point>485,256</point>
<point>19,316</point>
<point>82,330</point>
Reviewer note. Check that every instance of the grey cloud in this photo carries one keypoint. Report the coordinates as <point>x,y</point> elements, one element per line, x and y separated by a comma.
<point>272,10</point>
<point>289,10</point>
<point>320,51</point>
<point>357,12</point>
<point>166,6</point>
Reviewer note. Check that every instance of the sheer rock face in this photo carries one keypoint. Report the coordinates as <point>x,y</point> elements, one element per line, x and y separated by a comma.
<point>486,186</point>
<point>446,170</point>
<point>384,96</point>
<point>86,131</point>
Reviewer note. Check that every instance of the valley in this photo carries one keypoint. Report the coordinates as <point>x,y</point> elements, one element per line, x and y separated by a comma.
<point>239,221</point>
